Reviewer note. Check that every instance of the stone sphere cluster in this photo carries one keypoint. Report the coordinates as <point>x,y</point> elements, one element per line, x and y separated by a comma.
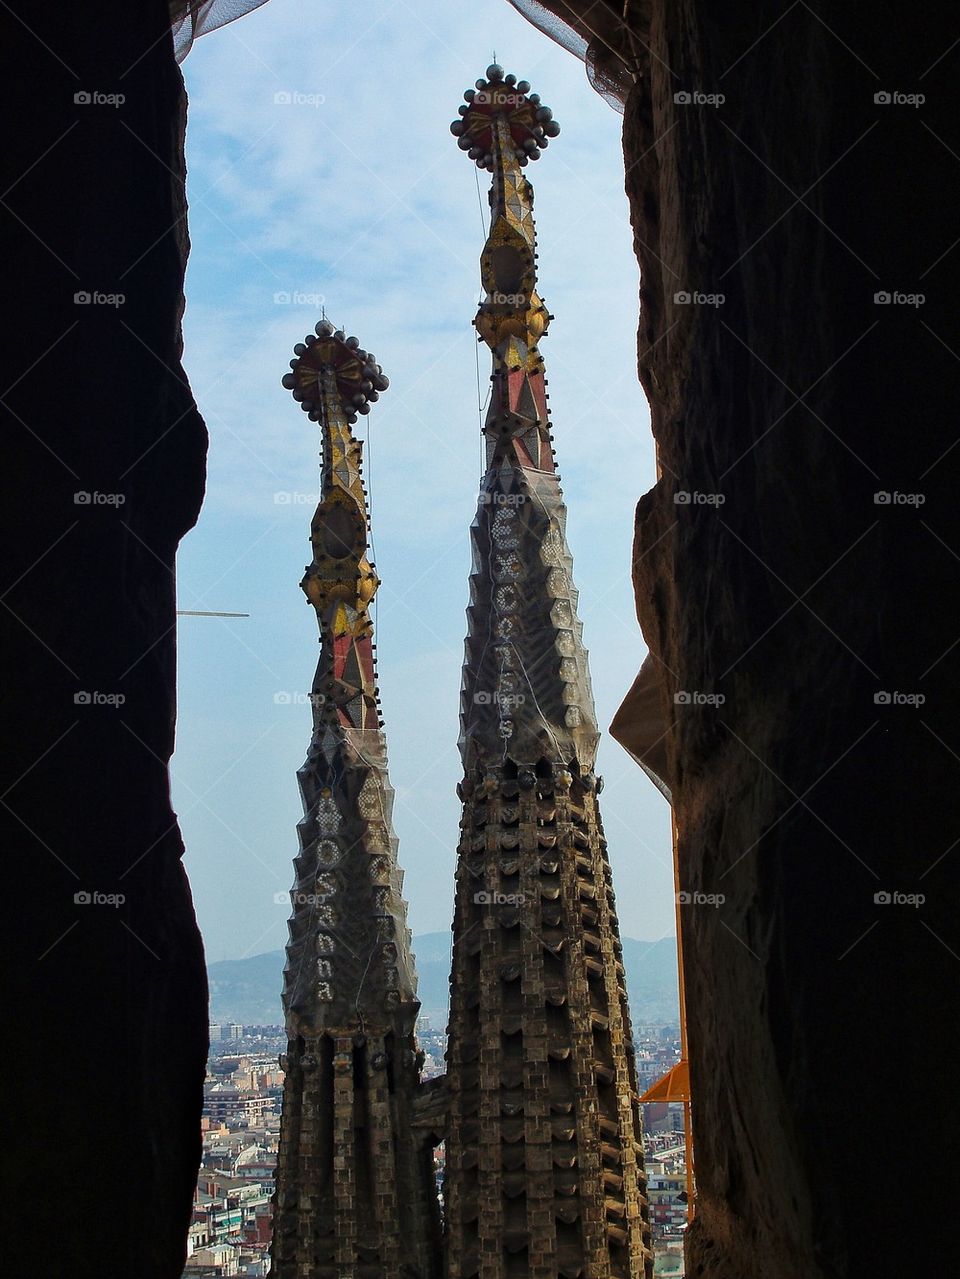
<point>514,95</point>
<point>360,379</point>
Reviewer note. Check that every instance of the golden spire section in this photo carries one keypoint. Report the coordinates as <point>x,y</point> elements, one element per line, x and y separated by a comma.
<point>503,127</point>
<point>341,579</point>
<point>334,381</point>
<point>512,318</point>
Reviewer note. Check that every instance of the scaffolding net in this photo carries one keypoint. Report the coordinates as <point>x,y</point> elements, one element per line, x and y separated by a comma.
<point>598,34</point>
<point>192,18</point>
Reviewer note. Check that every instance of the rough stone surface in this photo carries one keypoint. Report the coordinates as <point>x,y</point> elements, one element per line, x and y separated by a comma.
<point>355,1189</point>
<point>544,1149</point>
<point>814,1011</point>
<point>107,1023</point>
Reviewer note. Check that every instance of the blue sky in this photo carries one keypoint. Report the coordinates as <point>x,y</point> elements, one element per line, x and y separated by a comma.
<point>348,187</point>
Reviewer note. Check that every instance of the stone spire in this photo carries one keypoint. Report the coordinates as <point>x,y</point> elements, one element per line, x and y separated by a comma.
<point>355,1196</point>
<point>543,1148</point>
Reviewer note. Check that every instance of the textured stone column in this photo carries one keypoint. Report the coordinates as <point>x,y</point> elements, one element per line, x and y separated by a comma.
<point>354,1190</point>
<point>559,1191</point>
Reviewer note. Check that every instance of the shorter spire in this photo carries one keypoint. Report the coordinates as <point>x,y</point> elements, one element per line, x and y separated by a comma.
<point>355,1193</point>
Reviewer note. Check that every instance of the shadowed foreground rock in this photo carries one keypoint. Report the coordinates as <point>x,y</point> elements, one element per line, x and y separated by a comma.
<point>109,1013</point>
<point>785,564</point>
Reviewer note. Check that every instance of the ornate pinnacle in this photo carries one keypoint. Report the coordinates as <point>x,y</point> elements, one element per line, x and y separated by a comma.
<point>334,380</point>
<point>531,124</point>
<point>502,127</point>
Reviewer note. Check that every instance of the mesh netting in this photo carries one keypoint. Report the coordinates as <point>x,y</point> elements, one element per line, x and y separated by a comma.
<point>192,18</point>
<point>595,33</point>
<point>598,35</point>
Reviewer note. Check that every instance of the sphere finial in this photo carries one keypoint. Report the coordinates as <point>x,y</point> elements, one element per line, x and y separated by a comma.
<point>359,378</point>
<point>531,124</point>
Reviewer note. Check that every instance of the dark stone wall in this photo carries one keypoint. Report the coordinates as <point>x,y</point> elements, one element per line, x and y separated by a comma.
<point>107,1035</point>
<point>822,1020</point>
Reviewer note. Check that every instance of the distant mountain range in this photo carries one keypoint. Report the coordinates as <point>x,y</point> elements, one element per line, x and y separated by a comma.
<point>248,990</point>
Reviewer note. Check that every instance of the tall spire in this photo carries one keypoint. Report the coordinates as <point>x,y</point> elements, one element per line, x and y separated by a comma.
<point>355,1197</point>
<point>543,1149</point>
